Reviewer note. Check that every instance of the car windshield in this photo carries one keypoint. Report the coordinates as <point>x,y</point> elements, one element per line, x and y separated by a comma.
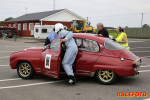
<point>112,45</point>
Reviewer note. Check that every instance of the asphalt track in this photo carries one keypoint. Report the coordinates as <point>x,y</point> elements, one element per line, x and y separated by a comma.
<point>45,88</point>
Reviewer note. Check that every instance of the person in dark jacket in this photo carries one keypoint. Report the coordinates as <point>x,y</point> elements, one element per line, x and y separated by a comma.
<point>102,31</point>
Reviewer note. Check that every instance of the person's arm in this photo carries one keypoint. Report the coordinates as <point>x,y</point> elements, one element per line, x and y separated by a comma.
<point>124,40</point>
<point>101,33</point>
<point>66,34</point>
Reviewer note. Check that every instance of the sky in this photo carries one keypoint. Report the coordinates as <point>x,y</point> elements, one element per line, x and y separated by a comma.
<point>112,13</point>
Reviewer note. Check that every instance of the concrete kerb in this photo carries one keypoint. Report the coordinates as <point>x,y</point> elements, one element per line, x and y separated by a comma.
<point>25,40</point>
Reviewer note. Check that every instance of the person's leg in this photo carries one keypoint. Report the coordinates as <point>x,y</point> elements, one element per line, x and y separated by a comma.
<point>66,60</point>
<point>47,41</point>
<point>69,58</point>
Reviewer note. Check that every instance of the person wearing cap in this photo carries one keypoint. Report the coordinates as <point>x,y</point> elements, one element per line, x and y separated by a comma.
<point>122,38</point>
<point>71,51</point>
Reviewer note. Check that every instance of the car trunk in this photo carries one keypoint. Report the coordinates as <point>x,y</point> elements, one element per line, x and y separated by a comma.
<point>128,55</point>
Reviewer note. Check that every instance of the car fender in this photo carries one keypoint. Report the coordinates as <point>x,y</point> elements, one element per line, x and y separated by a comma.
<point>121,68</point>
<point>34,62</point>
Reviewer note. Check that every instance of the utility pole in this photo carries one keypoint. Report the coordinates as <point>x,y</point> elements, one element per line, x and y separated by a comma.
<point>26,10</point>
<point>87,18</point>
<point>54,5</point>
<point>142,18</point>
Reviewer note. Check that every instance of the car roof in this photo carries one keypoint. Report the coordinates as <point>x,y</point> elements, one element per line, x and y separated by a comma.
<point>90,36</point>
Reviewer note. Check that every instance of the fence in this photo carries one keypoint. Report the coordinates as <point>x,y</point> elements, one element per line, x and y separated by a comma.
<point>137,32</point>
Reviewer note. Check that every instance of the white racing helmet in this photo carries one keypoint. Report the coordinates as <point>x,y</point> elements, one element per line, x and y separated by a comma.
<point>58,27</point>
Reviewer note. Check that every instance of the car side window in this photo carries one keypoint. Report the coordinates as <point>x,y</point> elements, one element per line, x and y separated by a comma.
<point>87,45</point>
<point>55,45</point>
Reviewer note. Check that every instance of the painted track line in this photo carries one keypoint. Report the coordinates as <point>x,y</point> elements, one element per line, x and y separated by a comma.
<point>145,56</point>
<point>147,99</point>
<point>8,51</point>
<point>5,57</point>
<point>145,66</point>
<point>10,79</point>
<point>18,46</point>
<point>5,65</point>
<point>139,47</point>
<point>34,84</point>
<point>140,51</point>
<point>144,71</point>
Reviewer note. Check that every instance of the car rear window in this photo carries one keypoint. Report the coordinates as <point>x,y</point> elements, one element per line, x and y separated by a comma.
<point>112,45</point>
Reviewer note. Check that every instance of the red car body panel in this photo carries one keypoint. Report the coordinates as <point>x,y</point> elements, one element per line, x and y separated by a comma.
<point>86,62</point>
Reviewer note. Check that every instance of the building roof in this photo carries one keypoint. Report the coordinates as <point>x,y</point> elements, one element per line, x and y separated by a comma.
<point>34,16</point>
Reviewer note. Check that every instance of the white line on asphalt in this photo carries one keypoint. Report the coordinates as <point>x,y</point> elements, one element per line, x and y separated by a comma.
<point>5,57</point>
<point>145,56</point>
<point>8,51</point>
<point>145,66</point>
<point>144,71</point>
<point>18,46</point>
<point>10,79</point>
<point>140,51</point>
<point>5,65</point>
<point>139,47</point>
<point>30,84</point>
<point>136,41</point>
<point>147,99</point>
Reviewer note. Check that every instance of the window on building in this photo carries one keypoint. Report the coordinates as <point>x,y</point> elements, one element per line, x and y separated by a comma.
<point>19,26</point>
<point>30,26</point>
<point>44,30</point>
<point>37,30</point>
<point>9,25</point>
<point>14,25</point>
<point>25,26</point>
<point>37,23</point>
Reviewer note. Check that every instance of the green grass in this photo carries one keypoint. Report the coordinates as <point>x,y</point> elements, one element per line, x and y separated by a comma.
<point>111,32</point>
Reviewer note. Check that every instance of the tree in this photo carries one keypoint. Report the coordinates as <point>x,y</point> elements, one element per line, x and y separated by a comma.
<point>7,19</point>
<point>126,27</point>
<point>145,26</point>
<point>2,23</point>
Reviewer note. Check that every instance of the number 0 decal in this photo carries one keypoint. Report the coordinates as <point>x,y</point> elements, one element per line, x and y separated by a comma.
<point>47,61</point>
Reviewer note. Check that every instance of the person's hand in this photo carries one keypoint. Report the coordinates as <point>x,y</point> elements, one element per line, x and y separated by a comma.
<point>100,34</point>
<point>63,40</point>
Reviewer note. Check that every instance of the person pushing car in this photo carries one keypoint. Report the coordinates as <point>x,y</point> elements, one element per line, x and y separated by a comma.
<point>71,51</point>
<point>50,38</point>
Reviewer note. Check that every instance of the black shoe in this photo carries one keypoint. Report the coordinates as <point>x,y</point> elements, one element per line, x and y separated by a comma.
<point>72,80</point>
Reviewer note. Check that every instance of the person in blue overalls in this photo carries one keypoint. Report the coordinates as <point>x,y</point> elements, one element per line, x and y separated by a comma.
<point>71,51</point>
<point>50,37</point>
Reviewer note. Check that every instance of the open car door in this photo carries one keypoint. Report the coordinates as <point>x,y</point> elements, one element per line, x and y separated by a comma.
<point>51,59</point>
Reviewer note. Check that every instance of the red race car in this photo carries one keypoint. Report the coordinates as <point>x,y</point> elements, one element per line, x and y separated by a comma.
<point>97,56</point>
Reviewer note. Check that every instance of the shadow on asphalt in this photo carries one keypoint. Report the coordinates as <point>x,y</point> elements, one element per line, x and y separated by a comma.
<point>90,80</point>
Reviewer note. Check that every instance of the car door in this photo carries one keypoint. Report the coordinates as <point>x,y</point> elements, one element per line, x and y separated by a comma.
<point>87,56</point>
<point>51,59</point>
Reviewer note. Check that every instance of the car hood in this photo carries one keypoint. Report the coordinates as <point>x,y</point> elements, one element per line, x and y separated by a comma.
<point>33,49</point>
<point>128,55</point>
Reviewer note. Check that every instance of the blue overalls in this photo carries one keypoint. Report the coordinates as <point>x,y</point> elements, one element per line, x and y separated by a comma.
<point>52,36</point>
<point>71,51</point>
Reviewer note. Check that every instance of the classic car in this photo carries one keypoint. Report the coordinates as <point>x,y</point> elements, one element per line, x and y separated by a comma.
<point>97,56</point>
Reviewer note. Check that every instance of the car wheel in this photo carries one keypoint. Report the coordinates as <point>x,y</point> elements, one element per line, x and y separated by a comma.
<point>25,70</point>
<point>106,76</point>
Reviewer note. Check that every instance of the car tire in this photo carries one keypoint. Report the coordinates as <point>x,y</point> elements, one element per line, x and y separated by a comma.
<point>106,77</point>
<point>25,70</point>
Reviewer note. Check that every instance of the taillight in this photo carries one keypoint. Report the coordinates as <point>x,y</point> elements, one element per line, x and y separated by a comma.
<point>134,63</point>
<point>140,59</point>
